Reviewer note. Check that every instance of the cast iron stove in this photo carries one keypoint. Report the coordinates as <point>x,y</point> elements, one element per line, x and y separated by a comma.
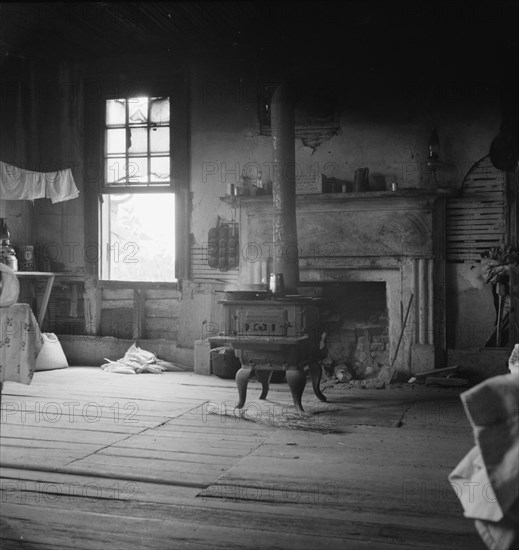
<point>279,334</point>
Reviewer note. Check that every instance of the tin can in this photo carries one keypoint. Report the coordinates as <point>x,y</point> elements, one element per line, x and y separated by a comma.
<point>27,257</point>
<point>277,284</point>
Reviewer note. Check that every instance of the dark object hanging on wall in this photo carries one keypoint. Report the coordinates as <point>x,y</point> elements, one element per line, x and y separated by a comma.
<point>212,247</point>
<point>504,151</point>
<point>223,236</point>
<point>222,246</point>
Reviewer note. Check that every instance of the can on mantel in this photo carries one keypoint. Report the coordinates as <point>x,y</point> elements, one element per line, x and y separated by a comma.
<point>26,257</point>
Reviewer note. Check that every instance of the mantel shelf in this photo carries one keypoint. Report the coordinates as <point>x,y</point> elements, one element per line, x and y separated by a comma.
<point>411,193</point>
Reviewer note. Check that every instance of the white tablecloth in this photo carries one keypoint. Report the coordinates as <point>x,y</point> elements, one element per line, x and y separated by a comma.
<point>20,343</point>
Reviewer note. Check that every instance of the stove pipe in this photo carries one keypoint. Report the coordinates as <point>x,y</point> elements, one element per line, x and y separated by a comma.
<point>285,253</point>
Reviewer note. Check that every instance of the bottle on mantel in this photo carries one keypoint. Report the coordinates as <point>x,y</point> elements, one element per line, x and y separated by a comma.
<point>7,252</point>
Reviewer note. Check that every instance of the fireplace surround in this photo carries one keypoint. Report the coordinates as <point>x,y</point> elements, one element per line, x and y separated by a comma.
<point>396,238</point>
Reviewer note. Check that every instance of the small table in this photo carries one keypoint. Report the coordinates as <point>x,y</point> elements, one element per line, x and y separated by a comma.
<point>48,288</point>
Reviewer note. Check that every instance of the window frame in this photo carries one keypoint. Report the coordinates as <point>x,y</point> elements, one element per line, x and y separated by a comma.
<point>127,188</point>
<point>176,87</point>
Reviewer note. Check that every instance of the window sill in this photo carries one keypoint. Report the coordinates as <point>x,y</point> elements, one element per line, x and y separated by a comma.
<point>137,284</point>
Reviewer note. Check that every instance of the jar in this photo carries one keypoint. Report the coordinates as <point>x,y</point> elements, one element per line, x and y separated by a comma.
<point>8,256</point>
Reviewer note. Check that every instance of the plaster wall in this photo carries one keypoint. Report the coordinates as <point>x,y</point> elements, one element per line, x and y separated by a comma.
<point>470,307</point>
<point>383,126</point>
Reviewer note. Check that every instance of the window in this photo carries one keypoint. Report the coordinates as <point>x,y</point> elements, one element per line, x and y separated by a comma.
<point>137,219</point>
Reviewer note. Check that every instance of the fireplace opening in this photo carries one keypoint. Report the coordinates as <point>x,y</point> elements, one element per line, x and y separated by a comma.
<point>354,316</point>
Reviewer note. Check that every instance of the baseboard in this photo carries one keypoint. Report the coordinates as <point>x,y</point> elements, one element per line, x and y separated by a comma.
<point>480,363</point>
<point>92,350</point>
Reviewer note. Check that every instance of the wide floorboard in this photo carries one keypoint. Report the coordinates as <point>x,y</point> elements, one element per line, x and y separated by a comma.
<point>93,460</point>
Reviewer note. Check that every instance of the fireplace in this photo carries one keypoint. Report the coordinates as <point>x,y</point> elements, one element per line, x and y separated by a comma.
<point>354,317</point>
<point>392,238</point>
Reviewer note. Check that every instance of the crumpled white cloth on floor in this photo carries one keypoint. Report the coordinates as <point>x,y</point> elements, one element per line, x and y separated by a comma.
<point>137,361</point>
<point>487,480</point>
<point>20,184</point>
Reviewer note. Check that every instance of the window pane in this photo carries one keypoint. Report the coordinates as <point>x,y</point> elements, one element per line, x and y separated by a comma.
<point>140,237</point>
<point>115,141</point>
<point>115,112</point>
<point>159,140</point>
<point>159,110</point>
<point>115,170</point>
<point>138,110</point>
<point>137,169</point>
<point>160,168</point>
<point>138,140</point>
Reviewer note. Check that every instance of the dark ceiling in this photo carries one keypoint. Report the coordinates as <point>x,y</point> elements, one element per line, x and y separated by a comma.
<point>421,31</point>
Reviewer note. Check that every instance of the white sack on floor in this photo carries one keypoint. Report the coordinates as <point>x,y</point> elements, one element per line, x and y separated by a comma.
<point>51,355</point>
<point>137,361</point>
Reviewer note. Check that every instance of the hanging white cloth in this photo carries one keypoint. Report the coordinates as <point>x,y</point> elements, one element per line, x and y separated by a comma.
<point>19,184</point>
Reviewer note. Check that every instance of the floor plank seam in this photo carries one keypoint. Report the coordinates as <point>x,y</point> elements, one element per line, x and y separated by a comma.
<point>167,419</point>
<point>106,447</point>
<point>121,476</point>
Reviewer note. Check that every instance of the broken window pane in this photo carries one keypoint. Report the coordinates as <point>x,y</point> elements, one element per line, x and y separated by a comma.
<point>116,112</point>
<point>159,169</point>
<point>138,140</point>
<point>138,151</point>
<point>138,110</point>
<point>159,110</point>
<point>159,140</point>
<point>116,141</point>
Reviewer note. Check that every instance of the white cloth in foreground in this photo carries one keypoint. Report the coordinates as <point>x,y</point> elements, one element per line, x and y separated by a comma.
<point>19,184</point>
<point>487,480</point>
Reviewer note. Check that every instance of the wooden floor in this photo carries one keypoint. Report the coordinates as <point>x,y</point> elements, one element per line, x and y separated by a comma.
<point>93,460</point>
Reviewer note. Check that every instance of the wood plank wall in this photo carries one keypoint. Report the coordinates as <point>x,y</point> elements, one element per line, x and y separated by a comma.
<point>202,273</point>
<point>140,313</point>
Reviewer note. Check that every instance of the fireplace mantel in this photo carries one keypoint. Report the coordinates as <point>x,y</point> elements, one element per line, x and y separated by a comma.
<point>358,226</point>
<point>392,237</point>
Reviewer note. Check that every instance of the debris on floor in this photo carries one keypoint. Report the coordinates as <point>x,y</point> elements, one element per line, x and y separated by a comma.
<point>138,361</point>
<point>446,377</point>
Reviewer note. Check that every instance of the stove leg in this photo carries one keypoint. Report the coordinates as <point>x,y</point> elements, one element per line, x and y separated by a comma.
<point>242,379</point>
<point>264,376</point>
<point>316,373</point>
<point>296,380</point>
